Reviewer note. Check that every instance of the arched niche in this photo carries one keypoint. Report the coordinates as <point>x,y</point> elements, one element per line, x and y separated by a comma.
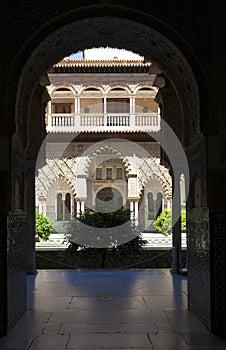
<point>108,199</point>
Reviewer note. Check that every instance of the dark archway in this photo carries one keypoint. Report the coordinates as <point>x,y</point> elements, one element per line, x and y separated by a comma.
<point>149,40</point>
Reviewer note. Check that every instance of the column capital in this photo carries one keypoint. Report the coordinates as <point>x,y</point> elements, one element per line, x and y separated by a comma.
<point>131,175</point>
<point>133,199</point>
<point>80,199</point>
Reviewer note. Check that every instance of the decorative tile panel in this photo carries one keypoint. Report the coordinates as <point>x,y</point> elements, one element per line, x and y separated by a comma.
<point>3,275</point>
<point>218,259</point>
<point>198,267</point>
<point>16,269</point>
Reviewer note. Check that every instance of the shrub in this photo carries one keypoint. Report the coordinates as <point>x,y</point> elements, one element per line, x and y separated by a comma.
<point>44,227</point>
<point>163,222</point>
<point>101,220</point>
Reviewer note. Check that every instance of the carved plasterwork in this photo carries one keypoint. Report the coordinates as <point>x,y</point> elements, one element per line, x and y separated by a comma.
<point>56,168</point>
<point>147,169</point>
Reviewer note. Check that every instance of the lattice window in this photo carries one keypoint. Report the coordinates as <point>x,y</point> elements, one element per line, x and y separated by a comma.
<point>119,173</point>
<point>59,207</point>
<point>67,206</point>
<point>109,173</point>
<point>99,173</point>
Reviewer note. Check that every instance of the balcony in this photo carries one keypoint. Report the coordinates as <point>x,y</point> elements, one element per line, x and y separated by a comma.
<point>149,122</point>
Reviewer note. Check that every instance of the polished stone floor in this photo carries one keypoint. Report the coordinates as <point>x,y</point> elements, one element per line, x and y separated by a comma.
<point>109,309</point>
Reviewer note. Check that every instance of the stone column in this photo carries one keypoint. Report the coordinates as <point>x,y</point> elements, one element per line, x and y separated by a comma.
<point>49,112</point>
<point>163,203</point>
<point>105,110</point>
<point>78,209</point>
<point>105,105</point>
<point>176,219</point>
<point>131,206</point>
<point>42,205</point>
<point>81,195</point>
<point>36,127</point>
<point>77,122</point>
<point>30,198</point>
<point>133,195</point>
<point>136,212</point>
<point>132,111</point>
<point>82,207</point>
<point>5,200</point>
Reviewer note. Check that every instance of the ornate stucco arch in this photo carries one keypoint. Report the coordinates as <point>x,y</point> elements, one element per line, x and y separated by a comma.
<point>54,169</point>
<point>108,185</point>
<point>147,168</point>
<point>97,149</point>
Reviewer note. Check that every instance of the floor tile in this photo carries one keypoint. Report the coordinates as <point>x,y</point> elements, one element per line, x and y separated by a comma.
<point>167,341</point>
<point>30,325</point>
<point>103,316</point>
<point>156,302</point>
<point>183,320</point>
<point>107,328</point>
<point>107,302</point>
<point>108,309</point>
<point>202,339</point>
<point>106,341</point>
<point>49,342</point>
<point>52,303</point>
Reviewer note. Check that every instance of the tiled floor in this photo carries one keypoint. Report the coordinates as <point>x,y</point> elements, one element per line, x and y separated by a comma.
<point>118,309</point>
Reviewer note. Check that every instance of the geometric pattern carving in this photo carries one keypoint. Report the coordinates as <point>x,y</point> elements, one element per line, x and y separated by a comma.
<point>198,234</point>
<point>56,168</point>
<point>149,168</point>
<point>68,169</point>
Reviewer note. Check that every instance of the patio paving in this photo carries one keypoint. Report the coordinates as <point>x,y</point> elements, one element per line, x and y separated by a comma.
<point>108,309</point>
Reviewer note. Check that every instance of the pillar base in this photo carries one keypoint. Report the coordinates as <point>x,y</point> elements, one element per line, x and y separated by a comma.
<point>32,272</point>
<point>184,271</point>
<point>176,261</point>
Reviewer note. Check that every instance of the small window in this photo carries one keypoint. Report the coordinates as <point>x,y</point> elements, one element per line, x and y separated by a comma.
<point>62,108</point>
<point>158,204</point>
<point>118,89</point>
<point>63,89</point>
<point>151,210</point>
<point>145,89</point>
<point>80,148</point>
<point>59,207</point>
<point>109,173</point>
<point>119,173</point>
<point>67,206</point>
<point>99,173</point>
<point>92,89</point>
<point>118,105</point>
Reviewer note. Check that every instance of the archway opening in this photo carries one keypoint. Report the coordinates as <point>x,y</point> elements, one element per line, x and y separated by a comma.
<point>172,65</point>
<point>108,199</point>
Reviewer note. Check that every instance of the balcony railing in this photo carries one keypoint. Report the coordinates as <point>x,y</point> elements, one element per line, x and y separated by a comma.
<point>102,122</point>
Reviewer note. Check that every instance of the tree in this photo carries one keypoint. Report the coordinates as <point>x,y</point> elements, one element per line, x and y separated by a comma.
<point>101,220</point>
<point>44,227</point>
<point>163,222</point>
